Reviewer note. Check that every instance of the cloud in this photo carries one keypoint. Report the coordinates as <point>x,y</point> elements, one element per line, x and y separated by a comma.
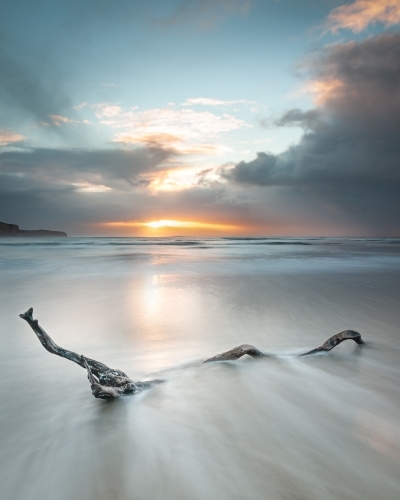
<point>346,166</point>
<point>359,82</point>
<point>107,110</point>
<point>186,131</point>
<point>81,105</point>
<point>59,120</point>
<point>90,168</point>
<point>33,201</point>
<point>341,178</point>
<point>208,101</point>
<point>297,118</point>
<point>362,13</point>
<point>184,122</point>
<point>7,137</point>
<point>86,187</point>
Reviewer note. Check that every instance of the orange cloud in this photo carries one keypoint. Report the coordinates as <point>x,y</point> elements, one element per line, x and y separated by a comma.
<point>360,14</point>
<point>167,141</point>
<point>186,131</point>
<point>87,187</point>
<point>7,137</point>
<point>324,90</point>
<point>59,120</point>
<point>172,142</point>
<point>163,139</point>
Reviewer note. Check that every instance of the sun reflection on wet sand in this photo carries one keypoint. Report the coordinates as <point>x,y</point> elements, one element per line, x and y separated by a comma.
<point>323,427</point>
<point>163,307</point>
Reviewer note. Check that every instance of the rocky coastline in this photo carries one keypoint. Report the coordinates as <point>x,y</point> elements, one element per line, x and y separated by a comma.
<point>12,230</point>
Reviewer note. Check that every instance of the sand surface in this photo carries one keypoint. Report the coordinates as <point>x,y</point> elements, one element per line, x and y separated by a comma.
<point>324,427</point>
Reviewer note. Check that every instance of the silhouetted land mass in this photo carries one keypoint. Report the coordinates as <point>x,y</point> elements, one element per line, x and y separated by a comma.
<point>14,231</point>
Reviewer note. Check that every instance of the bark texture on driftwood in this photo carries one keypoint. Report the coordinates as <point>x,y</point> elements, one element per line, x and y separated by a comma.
<point>106,383</point>
<point>109,383</point>
<point>336,340</point>
<point>236,353</point>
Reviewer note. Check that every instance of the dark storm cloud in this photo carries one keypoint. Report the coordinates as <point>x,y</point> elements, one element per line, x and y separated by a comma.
<point>349,155</point>
<point>342,178</point>
<point>32,202</point>
<point>48,185</point>
<point>63,165</point>
<point>296,117</point>
<point>38,204</point>
<point>368,73</point>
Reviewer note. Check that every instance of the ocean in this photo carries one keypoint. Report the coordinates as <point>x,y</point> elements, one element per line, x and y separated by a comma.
<point>283,428</point>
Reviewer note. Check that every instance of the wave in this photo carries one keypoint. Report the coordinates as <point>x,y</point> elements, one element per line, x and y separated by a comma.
<point>77,242</point>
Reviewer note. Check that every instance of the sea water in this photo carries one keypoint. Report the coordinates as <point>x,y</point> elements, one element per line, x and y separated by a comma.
<point>286,428</point>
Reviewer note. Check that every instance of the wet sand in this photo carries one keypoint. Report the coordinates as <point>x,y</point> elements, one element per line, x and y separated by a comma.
<point>318,427</point>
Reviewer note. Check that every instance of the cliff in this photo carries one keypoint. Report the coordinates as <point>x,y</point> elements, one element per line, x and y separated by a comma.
<point>8,229</point>
<point>14,231</point>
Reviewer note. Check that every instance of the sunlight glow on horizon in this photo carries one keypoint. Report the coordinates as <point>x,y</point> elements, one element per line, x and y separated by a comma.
<point>165,223</point>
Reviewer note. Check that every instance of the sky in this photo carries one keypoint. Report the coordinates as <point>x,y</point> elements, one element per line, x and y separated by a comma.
<point>201,117</point>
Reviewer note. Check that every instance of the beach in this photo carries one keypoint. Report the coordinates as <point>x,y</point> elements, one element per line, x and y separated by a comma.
<point>282,428</point>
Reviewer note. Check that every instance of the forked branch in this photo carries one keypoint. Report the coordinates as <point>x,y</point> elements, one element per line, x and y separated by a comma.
<point>48,343</point>
<point>109,383</point>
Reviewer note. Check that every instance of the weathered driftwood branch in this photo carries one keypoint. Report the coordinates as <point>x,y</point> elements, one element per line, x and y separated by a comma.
<point>336,340</point>
<point>109,383</point>
<point>48,343</point>
<point>106,383</point>
<point>238,352</point>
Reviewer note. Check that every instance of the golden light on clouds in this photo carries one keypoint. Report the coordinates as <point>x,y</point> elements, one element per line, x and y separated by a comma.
<point>325,89</point>
<point>7,137</point>
<point>176,179</point>
<point>185,131</point>
<point>173,142</point>
<point>87,187</point>
<point>361,13</point>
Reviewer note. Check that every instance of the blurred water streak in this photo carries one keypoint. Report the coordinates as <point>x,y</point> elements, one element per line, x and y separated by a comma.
<point>323,427</point>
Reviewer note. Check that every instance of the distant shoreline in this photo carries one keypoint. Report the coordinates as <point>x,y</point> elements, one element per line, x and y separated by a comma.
<point>13,231</point>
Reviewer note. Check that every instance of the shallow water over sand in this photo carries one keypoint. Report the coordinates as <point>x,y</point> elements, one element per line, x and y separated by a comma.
<point>321,427</point>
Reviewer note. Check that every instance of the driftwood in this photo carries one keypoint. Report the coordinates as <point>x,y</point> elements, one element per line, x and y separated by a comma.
<point>109,383</point>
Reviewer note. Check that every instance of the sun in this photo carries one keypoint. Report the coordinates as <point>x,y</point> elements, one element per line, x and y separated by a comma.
<point>164,224</point>
<point>168,223</point>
